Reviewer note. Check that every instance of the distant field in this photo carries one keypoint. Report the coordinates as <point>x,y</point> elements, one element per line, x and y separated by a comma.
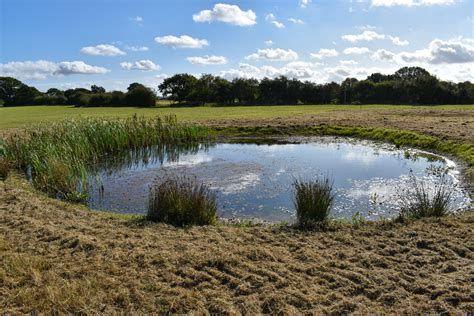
<point>22,116</point>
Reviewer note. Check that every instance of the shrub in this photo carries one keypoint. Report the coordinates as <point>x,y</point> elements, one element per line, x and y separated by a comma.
<point>313,201</point>
<point>419,200</point>
<point>181,202</point>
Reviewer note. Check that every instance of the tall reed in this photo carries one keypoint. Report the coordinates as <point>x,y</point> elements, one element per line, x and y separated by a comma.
<point>58,157</point>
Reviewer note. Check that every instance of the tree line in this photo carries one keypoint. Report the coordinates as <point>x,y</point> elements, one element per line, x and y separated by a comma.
<point>408,85</point>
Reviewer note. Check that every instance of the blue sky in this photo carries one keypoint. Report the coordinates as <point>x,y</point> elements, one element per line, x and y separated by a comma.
<point>75,43</point>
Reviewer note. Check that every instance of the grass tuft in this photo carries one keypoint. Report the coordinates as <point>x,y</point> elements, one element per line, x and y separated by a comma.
<point>313,201</point>
<point>422,200</point>
<point>182,201</point>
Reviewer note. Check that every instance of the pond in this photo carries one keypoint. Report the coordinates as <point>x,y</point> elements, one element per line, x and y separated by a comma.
<point>254,181</point>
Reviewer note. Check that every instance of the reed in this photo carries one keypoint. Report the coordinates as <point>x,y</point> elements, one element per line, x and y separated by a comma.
<point>59,157</point>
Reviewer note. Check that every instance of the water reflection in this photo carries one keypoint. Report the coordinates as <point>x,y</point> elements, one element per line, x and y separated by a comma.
<point>254,181</point>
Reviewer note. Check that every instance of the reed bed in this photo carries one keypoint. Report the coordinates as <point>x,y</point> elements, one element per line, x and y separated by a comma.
<point>59,157</point>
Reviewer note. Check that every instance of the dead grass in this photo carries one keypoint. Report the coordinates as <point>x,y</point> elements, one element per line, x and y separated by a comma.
<point>62,258</point>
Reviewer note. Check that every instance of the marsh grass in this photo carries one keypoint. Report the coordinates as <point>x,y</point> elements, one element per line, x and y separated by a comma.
<point>59,157</point>
<point>313,201</point>
<point>422,200</point>
<point>182,201</point>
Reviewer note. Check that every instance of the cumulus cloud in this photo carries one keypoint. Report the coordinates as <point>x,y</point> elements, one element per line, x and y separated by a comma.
<point>383,55</point>
<point>455,51</point>
<point>304,3</point>
<point>270,17</point>
<point>269,43</point>
<point>296,69</point>
<point>145,65</point>
<point>184,41</point>
<point>348,62</point>
<point>410,3</point>
<point>102,50</point>
<point>273,54</point>
<point>207,60</point>
<point>41,69</point>
<point>227,13</point>
<point>137,48</point>
<point>370,35</point>
<point>356,50</point>
<point>397,41</point>
<point>323,53</point>
<point>364,36</point>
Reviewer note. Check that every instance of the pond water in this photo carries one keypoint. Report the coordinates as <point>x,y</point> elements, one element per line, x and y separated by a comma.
<point>255,181</point>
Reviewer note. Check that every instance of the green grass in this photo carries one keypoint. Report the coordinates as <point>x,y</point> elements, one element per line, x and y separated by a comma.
<point>26,115</point>
<point>60,157</point>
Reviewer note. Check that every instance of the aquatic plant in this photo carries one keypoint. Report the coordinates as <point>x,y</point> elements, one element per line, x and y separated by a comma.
<point>182,201</point>
<point>313,201</point>
<point>424,200</point>
<point>59,157</point>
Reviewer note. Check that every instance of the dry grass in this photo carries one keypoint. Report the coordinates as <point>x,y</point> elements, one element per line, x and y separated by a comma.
<point>63,258</point>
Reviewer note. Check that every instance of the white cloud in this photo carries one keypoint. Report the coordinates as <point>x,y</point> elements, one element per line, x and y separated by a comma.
<point>348,62</point>
<point>356,50</point>
<point>383,55</point>
<point>269,43</point>
<point>273,54</point>
<point>137,19</point>
<point>296,21</point>
<point>41,69</point>
<point>270,17</point>
<point>278,24</point>
<point>410,3</point>
<point>227,13</point>
<point>323,53</point>
<point>455,51</point>
<point>184,41</point>
<point>296,69</point>
<point>137,48</point>
<point>364,36</point>
<point>145,65</point>
<point>397,41</point>
<point>304,3</point>
<point>207,60</point>
<point>102,50</point>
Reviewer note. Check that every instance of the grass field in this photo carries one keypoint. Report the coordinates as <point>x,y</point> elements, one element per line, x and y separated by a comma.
<point>25,115</point>
<point>57,257</point>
